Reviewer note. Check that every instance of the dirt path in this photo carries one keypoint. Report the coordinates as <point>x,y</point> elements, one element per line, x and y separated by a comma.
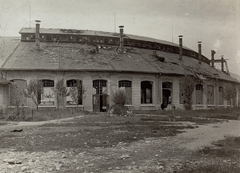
<point>14,125</point>
<point>204,135</point>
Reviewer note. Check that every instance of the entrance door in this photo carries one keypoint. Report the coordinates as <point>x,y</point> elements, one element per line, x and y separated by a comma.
<point>100,97</point>
<point>166,94</point>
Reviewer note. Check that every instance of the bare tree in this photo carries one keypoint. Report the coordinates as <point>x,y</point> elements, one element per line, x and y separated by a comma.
<point>60,92</point>
<point>188,85</point>
<point>34,91</point>
<point>77,93</point>
<point>229,92</point>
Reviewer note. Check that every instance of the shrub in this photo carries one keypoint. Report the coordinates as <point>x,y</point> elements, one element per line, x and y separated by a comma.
<point>119,99</point>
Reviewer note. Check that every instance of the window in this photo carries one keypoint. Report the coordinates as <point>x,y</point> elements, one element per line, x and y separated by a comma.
<point>181,95</point>
<point>55,38</point>
<point>146,92</point>
<point>220,95</point>
<point>17,88</point>
<point>49,38</point>
<point>76,92</point>
<point>127,85</point>
<point>99,87</point>
<point>47,98</point>
<point>210,95</point>
<point>199,94</point>
<point>72,38</point>
<point>32,36</point>
<point>63,38</point>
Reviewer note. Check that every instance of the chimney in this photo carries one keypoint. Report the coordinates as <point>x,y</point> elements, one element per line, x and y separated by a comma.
<point>199,52</point>
<point>212,55</point>
<point>37,35</point>
<point>180,47</point>
<point>121,38</point>
<point>222,63</point>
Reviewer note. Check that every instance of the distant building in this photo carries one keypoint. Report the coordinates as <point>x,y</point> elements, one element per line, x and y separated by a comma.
<point>150,70</point>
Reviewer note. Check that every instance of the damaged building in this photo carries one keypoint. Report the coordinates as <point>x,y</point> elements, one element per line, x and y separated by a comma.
<point>150,70</point>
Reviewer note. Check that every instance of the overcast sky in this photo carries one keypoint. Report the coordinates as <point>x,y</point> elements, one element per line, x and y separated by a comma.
<point>214,22</point>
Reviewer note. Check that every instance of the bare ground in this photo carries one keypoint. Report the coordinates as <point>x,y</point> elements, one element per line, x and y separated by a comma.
<point>163,154</point>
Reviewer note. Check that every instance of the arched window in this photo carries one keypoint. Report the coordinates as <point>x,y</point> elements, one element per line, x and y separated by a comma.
<point>199,94</point>
<point>17,88</point>
<point>99,87</point>
<point>76,90</point>
<point>127,86</point>
<point>47,98</point>
<point>146,92</point>
<point>210,94</point>
<point>220,95</point>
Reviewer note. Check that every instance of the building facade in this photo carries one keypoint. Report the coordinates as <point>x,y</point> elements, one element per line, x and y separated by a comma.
<point>149,70</point>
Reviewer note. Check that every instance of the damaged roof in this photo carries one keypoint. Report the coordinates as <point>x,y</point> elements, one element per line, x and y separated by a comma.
<point>94,33</point>
<point>82,57</point>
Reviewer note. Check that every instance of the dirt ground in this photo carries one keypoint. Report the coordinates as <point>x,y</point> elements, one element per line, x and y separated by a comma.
<point>163,154</point>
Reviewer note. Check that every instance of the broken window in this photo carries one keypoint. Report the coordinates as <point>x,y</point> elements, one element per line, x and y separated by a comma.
<point>199,94</point>
<point>181,94</point>
<point>49,38</point>
<point>17,88</point>
<point>146,92</point>
<point>75,88</point>
<point>47,98</point>
<point>32,36</point>
<point>210,95</point>
<point>220,95</point>
<point>99,87</point>
<point>72,38</point>
<point>127,86</point>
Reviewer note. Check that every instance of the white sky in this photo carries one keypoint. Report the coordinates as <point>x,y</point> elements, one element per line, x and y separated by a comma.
<point>214,22</point>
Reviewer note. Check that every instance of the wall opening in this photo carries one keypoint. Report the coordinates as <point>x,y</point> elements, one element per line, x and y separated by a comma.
<point>199,94</point>
<point>74,86</point>
<point>17,88</point>
<point>166,94</point>
<point>127,86</point>
<point>146,92</point>
<point>220,95</point>
<point>47,98</point>
<point>210,95</point>
<point>100,97</point>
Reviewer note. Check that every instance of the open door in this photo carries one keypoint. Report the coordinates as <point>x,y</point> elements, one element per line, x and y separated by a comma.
<point>100,97</point>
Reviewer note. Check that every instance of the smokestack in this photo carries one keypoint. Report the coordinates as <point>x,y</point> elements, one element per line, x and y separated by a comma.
<point>222,63</point>
<point>121,38</point>
<point>37,35</point>
<point>199,52</point>
<point>180,47</point>
<point>212,55</point>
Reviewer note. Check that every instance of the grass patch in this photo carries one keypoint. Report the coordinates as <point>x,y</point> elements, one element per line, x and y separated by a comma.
<point>229,147</point>
<point>223,157</point>
<point>230,113</point>
<point>89,132</point>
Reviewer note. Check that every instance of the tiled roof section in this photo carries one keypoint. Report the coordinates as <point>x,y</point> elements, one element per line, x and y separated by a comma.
<point>7,46</point>
<point>172,65</point>
<point>71,56</point>
<point>95,33</point>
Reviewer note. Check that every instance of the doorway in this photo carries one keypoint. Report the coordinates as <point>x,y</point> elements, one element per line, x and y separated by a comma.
<point>100,97</point>
<point>166,94</point>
